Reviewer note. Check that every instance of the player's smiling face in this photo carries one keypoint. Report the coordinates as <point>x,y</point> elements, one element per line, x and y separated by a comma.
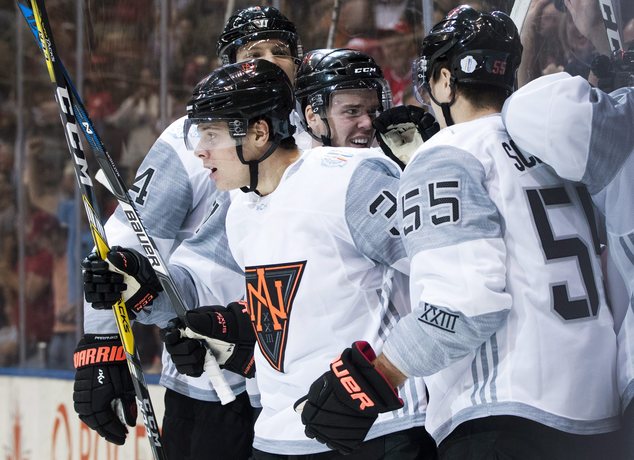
<point>350,116</point>
<point>217,150</point>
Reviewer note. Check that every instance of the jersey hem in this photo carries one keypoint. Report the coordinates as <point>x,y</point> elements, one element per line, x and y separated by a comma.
<point>581,427</point>
<point>207,394</point>
<point>308,446</point>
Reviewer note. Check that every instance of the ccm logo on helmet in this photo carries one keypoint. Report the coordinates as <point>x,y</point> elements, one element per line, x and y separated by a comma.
<point>351,386</point>
<point>365,70</point>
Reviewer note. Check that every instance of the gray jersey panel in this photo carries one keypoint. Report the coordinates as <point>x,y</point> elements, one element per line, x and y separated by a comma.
<point>210,240</point>
<point>162,177</point>
<point>443,201</point>
<point>610,141</point>
<point>161,310</point>
<point>371,211</point>
<point>431,338</point>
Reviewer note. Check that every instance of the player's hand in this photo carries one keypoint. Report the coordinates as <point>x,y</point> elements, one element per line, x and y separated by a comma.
<point>402,129</point>
<point>103,383</point>
<point>228,332</point>
<point>125,273</point>
<point>343,403</point>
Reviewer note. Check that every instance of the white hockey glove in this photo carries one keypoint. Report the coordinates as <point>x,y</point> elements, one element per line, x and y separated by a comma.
<point>402,129</point>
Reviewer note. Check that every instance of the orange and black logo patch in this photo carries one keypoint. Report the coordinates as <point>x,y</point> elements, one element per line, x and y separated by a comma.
<point>271,291</point>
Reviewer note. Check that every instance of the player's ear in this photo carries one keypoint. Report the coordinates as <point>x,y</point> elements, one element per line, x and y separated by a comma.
<point>262,133</point>
<point>445,87</point>
<point>312,119</point>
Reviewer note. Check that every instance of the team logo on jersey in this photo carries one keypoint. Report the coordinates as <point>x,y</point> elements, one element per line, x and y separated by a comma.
<point>271,291</point>
<point>335,159</point>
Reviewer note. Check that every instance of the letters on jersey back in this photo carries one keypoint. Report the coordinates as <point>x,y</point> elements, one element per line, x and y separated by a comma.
<point>271,291</point>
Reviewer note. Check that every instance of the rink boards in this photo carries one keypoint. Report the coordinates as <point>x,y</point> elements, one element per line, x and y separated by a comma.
<point>37,421</point>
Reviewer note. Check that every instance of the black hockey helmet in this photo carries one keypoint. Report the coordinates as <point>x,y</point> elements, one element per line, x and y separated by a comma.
<point>324,71</point>
<point>482,48</point>
<point>257,23</point>
<point>238,94</point>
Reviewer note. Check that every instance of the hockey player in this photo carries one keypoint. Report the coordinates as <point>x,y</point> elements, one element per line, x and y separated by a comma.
<point>172,192</point>
<point>509,325</point>
<point>586,136</point>
<point>317,260</point>
<point>339,93</point>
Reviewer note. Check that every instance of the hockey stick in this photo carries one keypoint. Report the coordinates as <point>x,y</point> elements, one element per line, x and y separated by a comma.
<point>71,105</point>
<point>611,25</point>
<point>336,7</point>
<point>519,12</point>
<point>37,20</point>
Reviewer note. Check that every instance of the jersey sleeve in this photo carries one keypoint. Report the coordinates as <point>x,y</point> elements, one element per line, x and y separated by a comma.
<point>370,211</point>
<point>453,236</point>
<point>164,195</point>
<point>161,192</point>
<point>215,277</point>
<point>578,130</point>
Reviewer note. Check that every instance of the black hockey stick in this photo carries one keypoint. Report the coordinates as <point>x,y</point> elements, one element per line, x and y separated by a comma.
<point>117,187</point>
<point>611,25</point>
<point>336,8</point>
<point>38,21</point>
<point>72,111</point>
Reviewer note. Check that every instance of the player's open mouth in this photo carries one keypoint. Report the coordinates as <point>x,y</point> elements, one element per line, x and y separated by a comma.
<point>362,141</point>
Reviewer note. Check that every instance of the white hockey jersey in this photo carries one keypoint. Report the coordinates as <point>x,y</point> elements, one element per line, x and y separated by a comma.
<point>588,136</point>
<point>509,316</point>
<point>172,192</point>
<point>318,254</point>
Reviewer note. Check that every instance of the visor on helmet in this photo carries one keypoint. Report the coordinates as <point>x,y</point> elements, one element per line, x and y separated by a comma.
<point>213,133</point>
<point>291,48</point>
<point>360,102</point>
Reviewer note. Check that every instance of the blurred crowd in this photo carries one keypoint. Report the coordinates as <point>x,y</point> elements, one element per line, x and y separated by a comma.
<point>43,234</point>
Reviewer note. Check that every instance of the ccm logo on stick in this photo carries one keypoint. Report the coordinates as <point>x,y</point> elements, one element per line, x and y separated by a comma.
<point>351,385</point>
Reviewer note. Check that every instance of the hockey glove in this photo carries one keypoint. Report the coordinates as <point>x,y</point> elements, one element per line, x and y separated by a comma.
<point>343,403</point>
<point>402,129</point>
<point>126,273</point>
<point>615,71</point>
<point>227,330</point>
<point>102,384</point>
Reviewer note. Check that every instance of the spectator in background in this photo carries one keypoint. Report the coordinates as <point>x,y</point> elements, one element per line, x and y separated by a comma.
<point>578,49</point>
<point>6,161</point>
<point>543,53</point>
<point>399,46</point>
<point>140,115</point>
<point>63,339</point>
<point>38,291</point>
<point>46,155</point>
<point>8,331</point>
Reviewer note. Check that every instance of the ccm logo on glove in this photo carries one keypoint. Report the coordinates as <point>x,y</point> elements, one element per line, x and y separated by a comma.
<point>351,385</point>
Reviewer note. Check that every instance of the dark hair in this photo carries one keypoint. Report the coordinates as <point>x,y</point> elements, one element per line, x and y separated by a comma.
<point>479,95</point>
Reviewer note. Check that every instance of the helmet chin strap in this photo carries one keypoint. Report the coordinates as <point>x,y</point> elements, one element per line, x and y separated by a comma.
<point>253,164</point>
<point>445,106</point>
<point>325,139</point>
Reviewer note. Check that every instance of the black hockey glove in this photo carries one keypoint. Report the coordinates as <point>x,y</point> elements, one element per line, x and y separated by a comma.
<point>103,387</point>
<point>126,273</point>
<point>402,129</point>
<point>227,330</point>
<point>615,71</point>
<point>343,403</point>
